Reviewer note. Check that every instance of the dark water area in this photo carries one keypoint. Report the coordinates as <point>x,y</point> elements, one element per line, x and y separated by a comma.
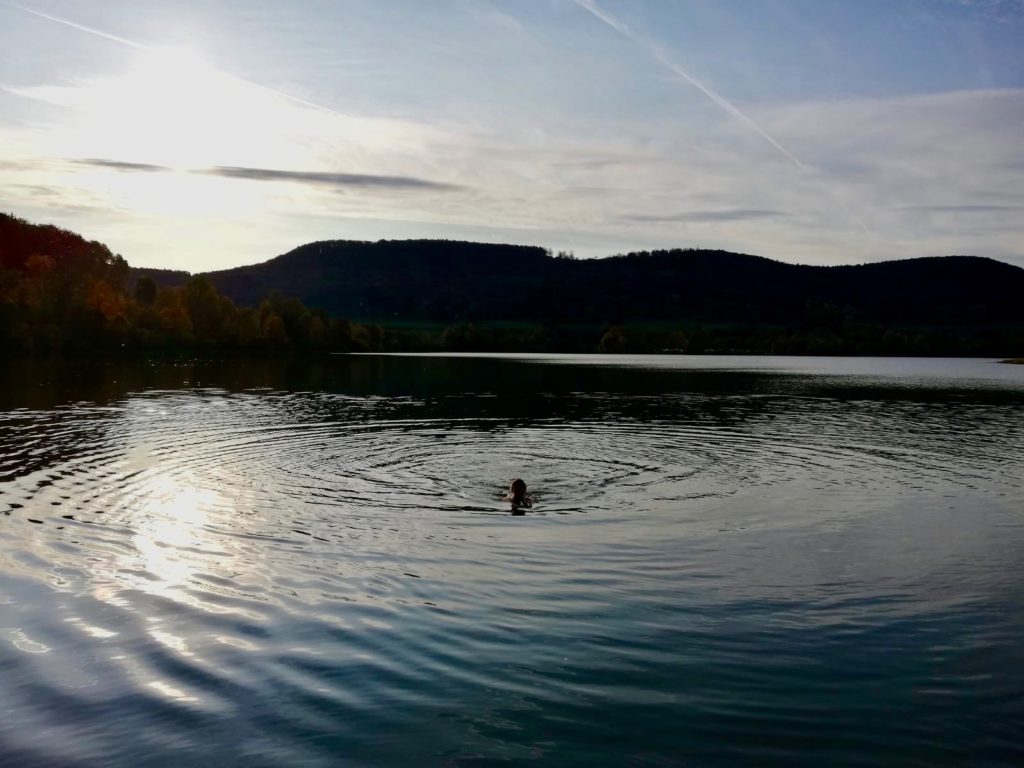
<point>730,561</point>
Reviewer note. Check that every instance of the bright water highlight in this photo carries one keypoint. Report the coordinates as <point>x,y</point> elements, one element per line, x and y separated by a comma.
<point>730,561</point>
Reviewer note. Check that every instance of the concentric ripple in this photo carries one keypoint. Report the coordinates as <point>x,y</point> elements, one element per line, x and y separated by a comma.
<point>720,567</point>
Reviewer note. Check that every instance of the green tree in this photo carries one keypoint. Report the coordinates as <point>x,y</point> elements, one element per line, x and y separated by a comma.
<point>204,309</point>
<point>174,318</point>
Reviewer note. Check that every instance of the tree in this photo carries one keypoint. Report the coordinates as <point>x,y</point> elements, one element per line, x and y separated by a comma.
<point>273,330</point>
<point>103,298</point>
<point>204,309</point>
<point>145,291</point>
<point>174,317</point>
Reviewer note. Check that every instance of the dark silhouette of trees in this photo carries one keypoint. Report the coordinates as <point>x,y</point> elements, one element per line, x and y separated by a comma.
<point>62,294</point>
<point>145,291</point>
<point>448,283</point>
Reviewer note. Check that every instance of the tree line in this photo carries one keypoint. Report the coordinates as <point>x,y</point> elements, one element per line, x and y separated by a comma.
<point>449,282</point>
<point>62,294</point>
<point>799,338</point>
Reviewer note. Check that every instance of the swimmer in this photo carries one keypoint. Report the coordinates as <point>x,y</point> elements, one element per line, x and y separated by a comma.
<point>517,494</point>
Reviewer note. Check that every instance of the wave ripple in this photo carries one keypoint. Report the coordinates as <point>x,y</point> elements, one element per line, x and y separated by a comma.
<point>712,575</point>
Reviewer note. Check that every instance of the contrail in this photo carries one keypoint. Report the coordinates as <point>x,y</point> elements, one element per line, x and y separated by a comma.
<point>628,32</point>
<point>80,27</point>
<point>143,47</point>
<point>663,58</point>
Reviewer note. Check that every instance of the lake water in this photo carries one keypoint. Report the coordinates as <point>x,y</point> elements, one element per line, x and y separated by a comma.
<point>730,561</point>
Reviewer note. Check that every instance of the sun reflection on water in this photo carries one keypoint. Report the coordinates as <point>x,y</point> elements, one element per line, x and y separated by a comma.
<point>172,523</point>
<point>170,542</point>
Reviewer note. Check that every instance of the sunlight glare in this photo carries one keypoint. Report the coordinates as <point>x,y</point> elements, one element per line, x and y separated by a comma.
<point>148,140</point>
<point>175,521</point>
<point>174,109</point>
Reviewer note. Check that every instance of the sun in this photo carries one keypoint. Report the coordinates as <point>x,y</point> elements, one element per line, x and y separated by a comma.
<point>171,110</point>
<point>152,137</point>
<point>177,110</point>
<point>171,107</point>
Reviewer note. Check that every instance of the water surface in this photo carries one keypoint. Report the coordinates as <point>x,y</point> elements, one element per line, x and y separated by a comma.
<point>763,561</point>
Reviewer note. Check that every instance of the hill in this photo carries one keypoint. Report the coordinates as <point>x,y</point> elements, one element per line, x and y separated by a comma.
<point>61,293</point>
<point>168,278</point>
<point>409,280</point>
<point>448,282</point>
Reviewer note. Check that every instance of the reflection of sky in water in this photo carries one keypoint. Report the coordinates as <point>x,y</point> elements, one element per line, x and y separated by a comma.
<point>303,571</point>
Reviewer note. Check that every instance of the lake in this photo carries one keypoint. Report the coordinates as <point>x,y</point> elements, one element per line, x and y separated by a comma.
<point>730,561</point>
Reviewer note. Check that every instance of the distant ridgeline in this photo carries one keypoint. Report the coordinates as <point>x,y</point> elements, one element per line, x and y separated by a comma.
<point>437,294</point>
<point>457,295</point>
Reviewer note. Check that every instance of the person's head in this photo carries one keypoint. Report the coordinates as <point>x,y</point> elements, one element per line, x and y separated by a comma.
<point>517,490</point>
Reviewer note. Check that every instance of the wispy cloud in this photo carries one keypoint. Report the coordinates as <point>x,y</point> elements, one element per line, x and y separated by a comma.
<point>999,11</point>
<point>17,165</point>
<point>143,47</point>
<point>318,178</point>
<point>735,214</point>
<point>963,208</point>
<point>120,165</point>
<point>363,180</point>
<point>173,159</point>
<point>666,61</point>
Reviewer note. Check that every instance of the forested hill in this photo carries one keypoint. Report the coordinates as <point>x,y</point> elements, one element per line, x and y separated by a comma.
<point>60,293</point>
<point>63,294</point>
<point>439,280</point>
<point>450,282</point>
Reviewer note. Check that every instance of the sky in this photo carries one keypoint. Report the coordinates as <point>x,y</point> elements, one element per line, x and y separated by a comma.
<point>207,134</point>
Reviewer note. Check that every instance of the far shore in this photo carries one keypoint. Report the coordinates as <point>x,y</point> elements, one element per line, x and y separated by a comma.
<point>1014,361</point>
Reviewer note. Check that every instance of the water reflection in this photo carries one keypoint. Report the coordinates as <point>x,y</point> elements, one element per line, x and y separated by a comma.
<point>300,561</point>
<point>170,524</point>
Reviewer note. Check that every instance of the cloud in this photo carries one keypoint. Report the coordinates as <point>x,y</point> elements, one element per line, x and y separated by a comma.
<point>932,174</point>
<point>120,165</point>
<point>352,180</point>
<point>963,208</point>
<point>949,152</point>
<point>666,61</point>
<point>998,11</point>
<point>140,46</point>
<point>663,58</point>
<point>489,14</point>
<point>357,180</point>
<point>735,214</point>
<point>16,165</point>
